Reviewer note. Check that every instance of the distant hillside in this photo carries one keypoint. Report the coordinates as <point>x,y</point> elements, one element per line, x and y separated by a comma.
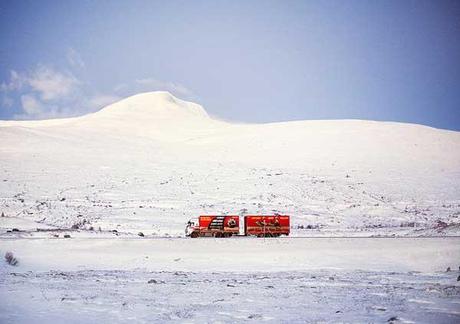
<point>152,161</point>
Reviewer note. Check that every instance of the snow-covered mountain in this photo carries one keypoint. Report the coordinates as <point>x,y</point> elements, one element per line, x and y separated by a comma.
<point>152,161</point>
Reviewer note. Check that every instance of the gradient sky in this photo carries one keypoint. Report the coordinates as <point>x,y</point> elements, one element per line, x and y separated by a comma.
<point>250,61</point>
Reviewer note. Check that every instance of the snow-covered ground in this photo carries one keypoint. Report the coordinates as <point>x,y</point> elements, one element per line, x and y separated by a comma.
<point>236,254</point>
<point>294,297</point>
<point>276,280</point>
<point>151,162</point>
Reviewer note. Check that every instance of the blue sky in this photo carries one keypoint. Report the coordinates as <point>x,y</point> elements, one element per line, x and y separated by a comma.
<point>250,61</point>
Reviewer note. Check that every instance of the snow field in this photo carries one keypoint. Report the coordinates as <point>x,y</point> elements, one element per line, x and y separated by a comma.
<point>151,162</point>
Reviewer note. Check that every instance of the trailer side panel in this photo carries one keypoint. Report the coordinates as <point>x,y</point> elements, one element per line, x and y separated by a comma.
<point>266,225</point>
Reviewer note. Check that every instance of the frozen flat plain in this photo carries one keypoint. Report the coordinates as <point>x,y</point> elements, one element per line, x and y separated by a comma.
<point>236,254</point>
<point>290,280</point>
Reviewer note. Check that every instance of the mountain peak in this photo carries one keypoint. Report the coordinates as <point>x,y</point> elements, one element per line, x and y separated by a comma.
<point>152,114</point>
<point>158,104</point>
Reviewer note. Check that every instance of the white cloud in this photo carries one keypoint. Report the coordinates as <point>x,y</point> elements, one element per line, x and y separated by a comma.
<point>74,58</point>
<point>46,81</point>
<point>31,105</point>
<point>51,84</point>
<point>16,82</point>
<point>46,92</point>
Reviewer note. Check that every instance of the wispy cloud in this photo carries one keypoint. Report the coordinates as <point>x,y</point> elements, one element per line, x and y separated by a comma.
<point>74,58</point>
<point>51,84</point>
<point>14,83</point>
<point>48,92</point>
<point>31,105</point>
<point>43,92</point>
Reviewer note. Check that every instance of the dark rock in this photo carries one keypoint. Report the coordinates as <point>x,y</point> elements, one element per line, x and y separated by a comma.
<point>180,274</point>
<point>10,259</point>
<point>66,235</point>
<point>392,319</point>
<point>14,230</point>
<point>440,224</point>
<point>152,281</point>
<point>458,278</point>
<point>140,234</point>
<point>62,199</point>
<point>114,231</point>
<point>448,269</point>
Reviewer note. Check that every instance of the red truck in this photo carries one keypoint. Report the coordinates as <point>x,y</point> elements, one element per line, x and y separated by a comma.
<point>229,225</point>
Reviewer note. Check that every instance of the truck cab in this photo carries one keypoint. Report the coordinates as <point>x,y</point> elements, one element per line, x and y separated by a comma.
<point>192,225</point>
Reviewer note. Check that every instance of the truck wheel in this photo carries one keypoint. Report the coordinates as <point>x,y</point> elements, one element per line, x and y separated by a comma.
<point>194,235</point>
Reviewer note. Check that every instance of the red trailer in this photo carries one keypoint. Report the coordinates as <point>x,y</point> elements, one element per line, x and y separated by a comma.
<point>214,225</point>
<point>266,225</point>
<point>228,225</point>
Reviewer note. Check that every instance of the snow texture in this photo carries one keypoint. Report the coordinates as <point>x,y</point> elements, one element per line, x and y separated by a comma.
<point>76,194</point>
<point>150,162</point>
<point>359,280</point>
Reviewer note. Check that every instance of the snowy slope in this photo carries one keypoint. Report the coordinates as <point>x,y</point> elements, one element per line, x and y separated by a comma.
<point>152,161</point>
